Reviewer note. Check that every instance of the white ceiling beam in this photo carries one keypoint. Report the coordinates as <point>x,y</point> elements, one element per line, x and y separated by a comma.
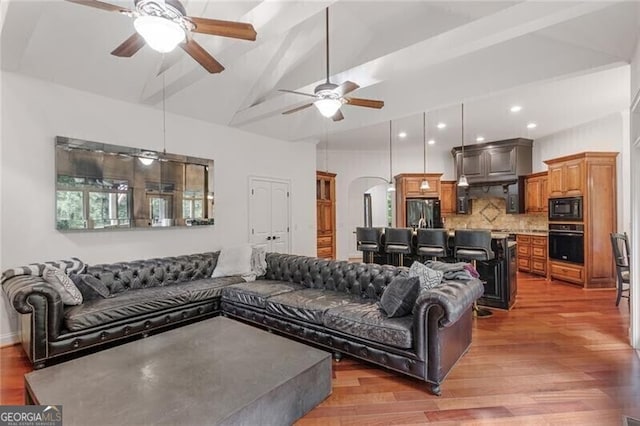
<point>507,24</point>
<point>525,60</point>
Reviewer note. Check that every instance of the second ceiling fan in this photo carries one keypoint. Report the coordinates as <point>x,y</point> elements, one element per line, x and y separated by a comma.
<point>329,97</point>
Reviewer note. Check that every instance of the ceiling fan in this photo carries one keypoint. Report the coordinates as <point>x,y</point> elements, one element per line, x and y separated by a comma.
<point>329,97</point>
<point>164,24</point>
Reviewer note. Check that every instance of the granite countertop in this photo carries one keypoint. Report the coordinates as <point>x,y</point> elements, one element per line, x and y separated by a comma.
<point>503,233</point>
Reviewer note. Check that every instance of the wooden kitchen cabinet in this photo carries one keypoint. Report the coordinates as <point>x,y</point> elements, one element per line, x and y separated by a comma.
<point>591,175</point>
<point>326,214</point>
<point>566,178</point>
<point>532,254</point>
<point>498,161</point>
<point>448,196</point>
<point>537,193</point>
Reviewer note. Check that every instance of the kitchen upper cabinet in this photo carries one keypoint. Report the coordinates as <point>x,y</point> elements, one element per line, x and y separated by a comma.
<point>448,190</point>
<point>566,178</point>
<point>409,185</point>
<point>536,193</point>
<point>494,161</point>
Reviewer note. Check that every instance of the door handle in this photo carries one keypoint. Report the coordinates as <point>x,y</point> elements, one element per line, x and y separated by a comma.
<point>269,238</point>
<point>274,237</point>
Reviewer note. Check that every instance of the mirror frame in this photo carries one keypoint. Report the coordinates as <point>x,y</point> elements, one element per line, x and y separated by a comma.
<point>152,187</point>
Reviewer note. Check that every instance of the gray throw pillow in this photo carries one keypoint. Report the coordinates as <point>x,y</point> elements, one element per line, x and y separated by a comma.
<point>64,286</point>
<point>400,296</point>
<point>90,287</point>
<point>429,278</point>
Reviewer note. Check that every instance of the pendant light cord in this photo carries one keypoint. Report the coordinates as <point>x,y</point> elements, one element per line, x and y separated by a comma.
<point>424,141</point>
<point>390,156</point>
<point>462,127</point>
<point>164,117</point>
<point>327,33</point>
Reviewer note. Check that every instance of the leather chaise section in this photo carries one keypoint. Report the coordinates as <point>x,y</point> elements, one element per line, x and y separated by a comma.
<point>139,302</point>
<point>255,293</point>
<point>367,321</point>
<point>306,305</point>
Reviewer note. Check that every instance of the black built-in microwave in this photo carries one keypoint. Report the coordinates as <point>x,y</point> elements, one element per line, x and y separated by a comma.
<point>569,208</point>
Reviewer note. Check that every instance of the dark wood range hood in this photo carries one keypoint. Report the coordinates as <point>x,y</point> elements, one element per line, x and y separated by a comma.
<point>494,170</point>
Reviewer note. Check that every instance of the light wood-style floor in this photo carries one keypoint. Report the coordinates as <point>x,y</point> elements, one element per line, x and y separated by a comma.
<point>559,357</point>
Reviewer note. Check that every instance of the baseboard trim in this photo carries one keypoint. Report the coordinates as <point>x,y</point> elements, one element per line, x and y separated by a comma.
<point>9,339</point>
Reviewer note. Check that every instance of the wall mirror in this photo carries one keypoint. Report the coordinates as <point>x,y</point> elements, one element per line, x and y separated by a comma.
<point>102,186</point>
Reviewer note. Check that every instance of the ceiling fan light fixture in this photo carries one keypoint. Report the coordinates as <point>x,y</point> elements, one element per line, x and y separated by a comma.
<point>328,106</point>
<point>161,34</point>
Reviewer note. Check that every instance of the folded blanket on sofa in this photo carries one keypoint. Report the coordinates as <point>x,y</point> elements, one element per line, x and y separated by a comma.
<point>68,266</point>
<point>454,271</point>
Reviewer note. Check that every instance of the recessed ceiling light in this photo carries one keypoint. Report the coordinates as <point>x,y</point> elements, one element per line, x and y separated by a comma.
<point>441,125</point>
<point>532,126</point>
<point>480,139</point>
<point>516,108</point>
<point>431,142</point>
<point>402,135</point>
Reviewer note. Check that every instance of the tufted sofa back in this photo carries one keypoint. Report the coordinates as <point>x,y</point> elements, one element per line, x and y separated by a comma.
<point>366,280</point>
<point>147,273</point>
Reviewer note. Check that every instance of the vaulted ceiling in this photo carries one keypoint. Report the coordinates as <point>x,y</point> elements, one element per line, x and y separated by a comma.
<point>565,62</point>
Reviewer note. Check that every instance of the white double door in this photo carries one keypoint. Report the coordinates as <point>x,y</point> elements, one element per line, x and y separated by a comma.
<point>269,214</point>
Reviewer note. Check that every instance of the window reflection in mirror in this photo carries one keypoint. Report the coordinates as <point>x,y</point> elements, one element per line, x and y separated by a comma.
<point>101,186</point>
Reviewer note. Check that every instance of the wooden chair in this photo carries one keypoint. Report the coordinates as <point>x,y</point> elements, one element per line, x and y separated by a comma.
<point>620,246</point>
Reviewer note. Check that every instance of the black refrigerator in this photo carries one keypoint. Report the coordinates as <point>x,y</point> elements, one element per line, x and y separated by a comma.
<point>427,209</point>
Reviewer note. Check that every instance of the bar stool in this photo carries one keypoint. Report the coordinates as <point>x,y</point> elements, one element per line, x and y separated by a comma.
<point>368,242</point>
<point>398,241</point>
<point>474,245</point>
<point>432,243</point>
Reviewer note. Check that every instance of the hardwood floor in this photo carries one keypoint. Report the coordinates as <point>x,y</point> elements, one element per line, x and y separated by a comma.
<point>560,356</point>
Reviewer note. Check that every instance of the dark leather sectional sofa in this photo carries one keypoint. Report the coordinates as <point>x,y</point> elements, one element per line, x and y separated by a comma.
<point>328,303</point>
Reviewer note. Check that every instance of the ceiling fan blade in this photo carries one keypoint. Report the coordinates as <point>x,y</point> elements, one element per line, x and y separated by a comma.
<point>346,87</point>
<point>101,5</point>
<point>202,56</point>
<point>129,47</point>
<point>368,103</point>
<point>300,108</point>
<point>338,116</point>
<point>296,93</point>
<point>224,28</point>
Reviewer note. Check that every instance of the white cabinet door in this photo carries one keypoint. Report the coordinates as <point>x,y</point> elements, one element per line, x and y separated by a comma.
<point>269,214</point>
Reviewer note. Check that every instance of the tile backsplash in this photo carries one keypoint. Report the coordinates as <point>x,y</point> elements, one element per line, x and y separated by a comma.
<point>490,213</point>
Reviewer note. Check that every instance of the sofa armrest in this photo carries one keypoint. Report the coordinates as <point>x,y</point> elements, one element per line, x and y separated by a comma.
<point>32,295</point>
<point>441,307</point>
<point>454,297</point>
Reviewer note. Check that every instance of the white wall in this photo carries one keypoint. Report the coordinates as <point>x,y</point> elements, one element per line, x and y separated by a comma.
<point>606,134</point>
<point>34,112</point>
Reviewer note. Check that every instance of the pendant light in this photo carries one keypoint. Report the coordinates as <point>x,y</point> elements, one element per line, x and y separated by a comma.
<point>462,182</point>
<point>424,185</point>
<point>391,186</point>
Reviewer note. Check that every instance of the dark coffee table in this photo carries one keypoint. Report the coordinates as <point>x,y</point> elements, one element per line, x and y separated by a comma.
<point>217,371</point>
